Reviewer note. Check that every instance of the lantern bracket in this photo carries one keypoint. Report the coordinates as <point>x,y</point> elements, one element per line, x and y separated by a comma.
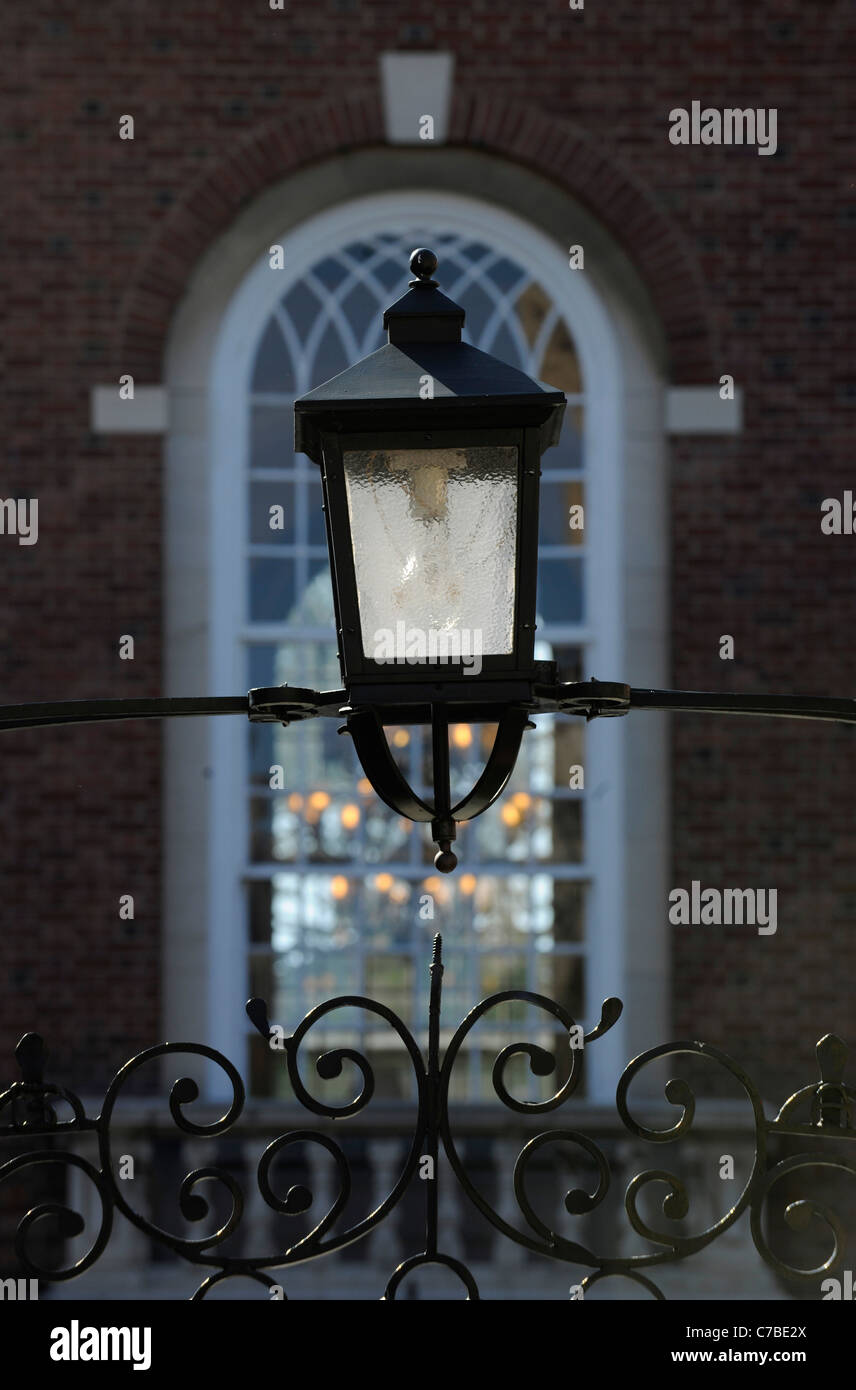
<point>367,709</point>
<point>370,743</point>
<point>289,704</point>
<point>591,698</point>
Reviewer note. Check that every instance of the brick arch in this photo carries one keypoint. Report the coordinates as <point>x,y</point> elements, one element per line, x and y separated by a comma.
<point>515,131</point>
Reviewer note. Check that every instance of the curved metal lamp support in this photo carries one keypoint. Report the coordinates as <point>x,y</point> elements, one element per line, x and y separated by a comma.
<point>286,705</point>
<point>381,769</point>
<point>513,723</point>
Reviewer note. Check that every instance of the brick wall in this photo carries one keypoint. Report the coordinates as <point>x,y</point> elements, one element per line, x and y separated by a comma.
<point>749,261</point>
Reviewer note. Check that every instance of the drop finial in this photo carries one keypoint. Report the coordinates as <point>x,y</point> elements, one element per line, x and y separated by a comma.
<point>445,860</point>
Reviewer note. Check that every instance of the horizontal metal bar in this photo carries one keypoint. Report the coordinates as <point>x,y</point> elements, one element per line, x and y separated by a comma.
<point>829,708</point>
<point>102,711</point>
<point>838,709</point>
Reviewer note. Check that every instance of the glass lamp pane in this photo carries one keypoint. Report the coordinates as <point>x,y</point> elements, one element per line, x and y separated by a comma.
<point>435,548</point>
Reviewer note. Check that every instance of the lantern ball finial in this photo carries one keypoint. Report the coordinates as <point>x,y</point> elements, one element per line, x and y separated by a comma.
<point>445,860</point>
<point>423,263</point>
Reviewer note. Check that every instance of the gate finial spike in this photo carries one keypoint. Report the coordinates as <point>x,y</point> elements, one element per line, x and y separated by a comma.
<point>30,1055</point>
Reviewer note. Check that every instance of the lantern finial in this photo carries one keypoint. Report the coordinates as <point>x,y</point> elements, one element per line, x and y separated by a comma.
<point>445,860</point>
<point>423,263</point>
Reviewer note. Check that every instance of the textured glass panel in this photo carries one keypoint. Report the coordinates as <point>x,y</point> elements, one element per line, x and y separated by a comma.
<point>435,539</point>
<point>272,513</point>
<point>560,591</point>
<point>555,515</point>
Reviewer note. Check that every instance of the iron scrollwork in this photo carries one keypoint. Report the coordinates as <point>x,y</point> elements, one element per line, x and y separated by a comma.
<point>824,1110</point>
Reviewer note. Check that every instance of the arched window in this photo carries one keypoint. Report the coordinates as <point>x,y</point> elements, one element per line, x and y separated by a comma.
<point>319,888</point>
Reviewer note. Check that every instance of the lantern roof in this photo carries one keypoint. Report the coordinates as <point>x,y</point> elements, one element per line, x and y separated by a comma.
<point>424,372</point>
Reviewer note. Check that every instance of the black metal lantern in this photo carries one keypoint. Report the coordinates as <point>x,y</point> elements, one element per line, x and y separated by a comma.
<point>430,457</point>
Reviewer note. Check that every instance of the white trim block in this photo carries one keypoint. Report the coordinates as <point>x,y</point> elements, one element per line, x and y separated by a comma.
<point>145,414</point>
<point>415,85</point>
<point>701,410</point>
